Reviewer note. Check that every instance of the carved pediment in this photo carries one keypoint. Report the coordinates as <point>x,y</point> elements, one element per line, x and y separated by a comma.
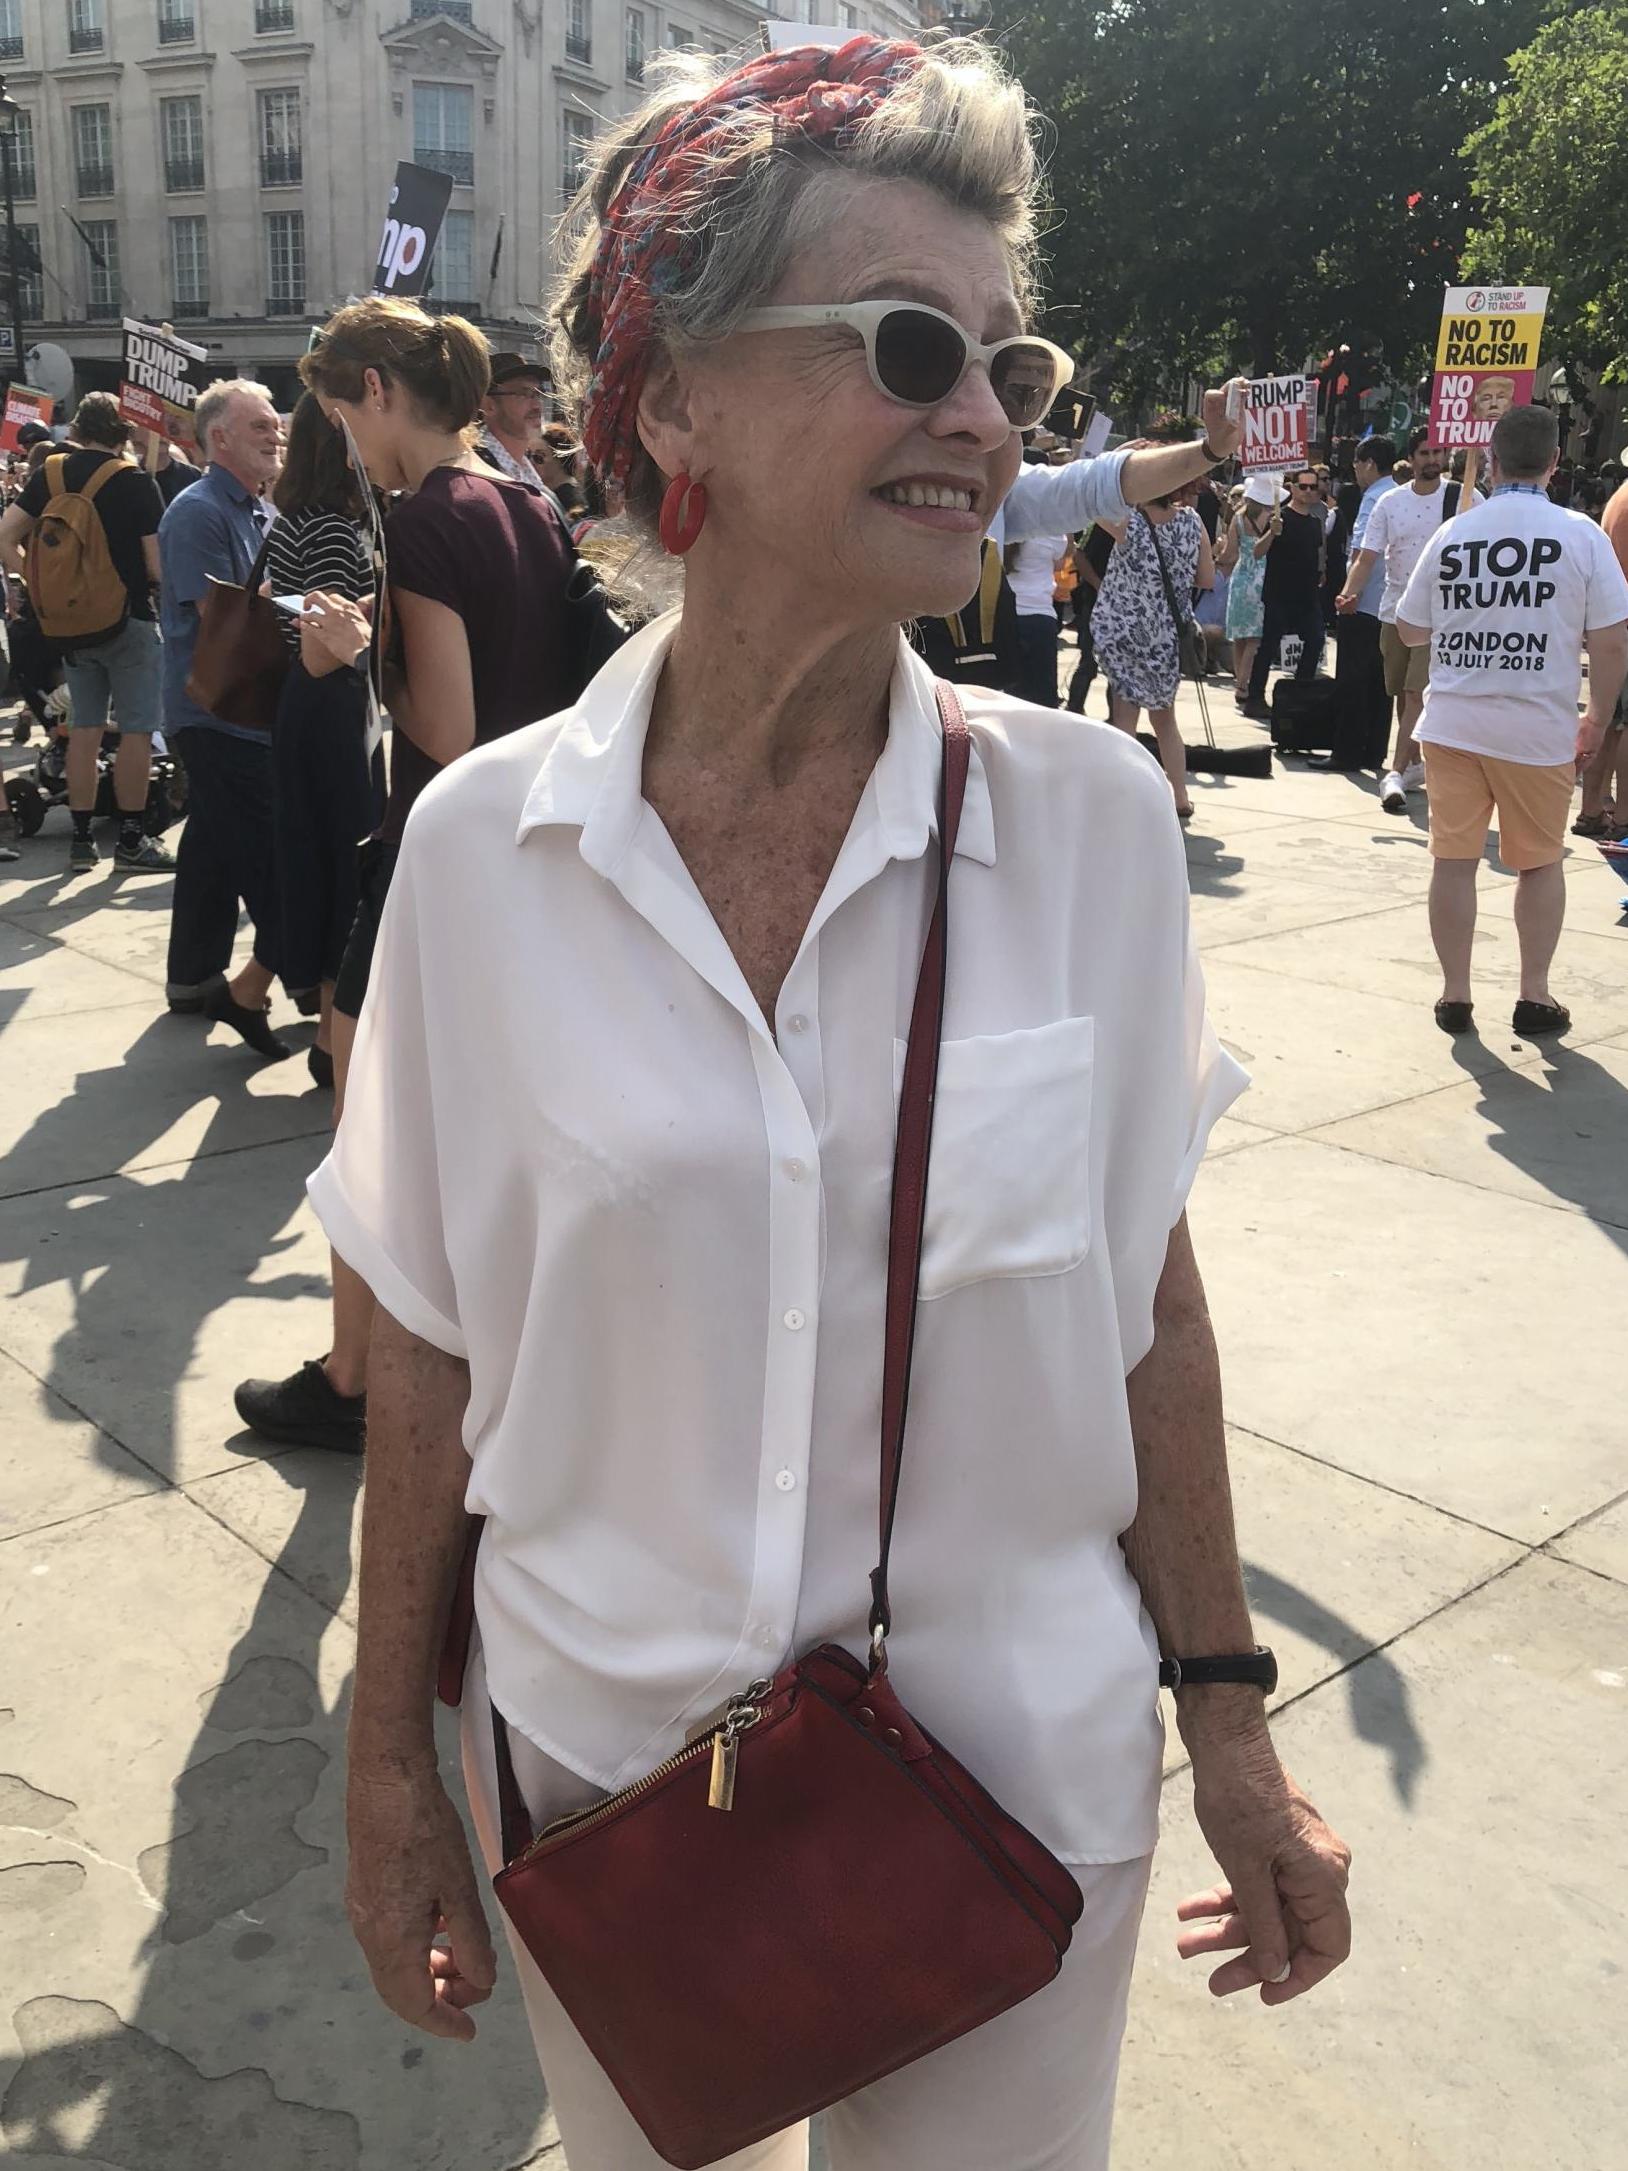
<point>441,45</point>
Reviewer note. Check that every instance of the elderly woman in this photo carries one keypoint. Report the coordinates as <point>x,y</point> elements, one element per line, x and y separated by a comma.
<point>627,1220</point>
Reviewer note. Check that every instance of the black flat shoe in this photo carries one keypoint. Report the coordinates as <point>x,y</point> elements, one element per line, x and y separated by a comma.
<point>303,1411</point>
<point>251,1026</point>
<point>307,1001</point>
<point>1455,1017</point>
<point>1534,1020</point>
<point>321,1066</point>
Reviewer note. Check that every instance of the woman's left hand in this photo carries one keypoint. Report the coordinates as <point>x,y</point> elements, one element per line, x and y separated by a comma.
<point>334,632</point>
<point>1285,1898</point>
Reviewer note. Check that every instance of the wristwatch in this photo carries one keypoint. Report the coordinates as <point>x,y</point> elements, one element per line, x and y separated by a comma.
<point>1257,1669</point>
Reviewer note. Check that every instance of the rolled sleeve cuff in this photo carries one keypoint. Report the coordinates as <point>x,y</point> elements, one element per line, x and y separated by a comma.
<point>1224,1080</point>
<point>365,1253</point>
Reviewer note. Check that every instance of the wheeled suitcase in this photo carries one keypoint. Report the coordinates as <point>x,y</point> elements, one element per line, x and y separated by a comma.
<point>1304,714</point>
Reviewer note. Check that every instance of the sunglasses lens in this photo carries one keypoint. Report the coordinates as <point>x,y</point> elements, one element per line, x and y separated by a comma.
<point>919,357</point>
<point>1025,381</point>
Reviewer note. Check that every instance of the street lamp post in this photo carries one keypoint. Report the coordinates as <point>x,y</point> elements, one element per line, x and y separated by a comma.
<point>9,110</point>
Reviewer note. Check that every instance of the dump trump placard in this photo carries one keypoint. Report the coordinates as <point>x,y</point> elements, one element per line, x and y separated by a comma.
<point>1485,358</point>
<point>1276,423</point>
<point>162,382</point>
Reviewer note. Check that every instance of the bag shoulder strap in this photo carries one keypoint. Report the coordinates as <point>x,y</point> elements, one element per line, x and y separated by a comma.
<point>1164,578</point>
<point>912,1149</point>
<point>56,472</point>
<point>103,475</point>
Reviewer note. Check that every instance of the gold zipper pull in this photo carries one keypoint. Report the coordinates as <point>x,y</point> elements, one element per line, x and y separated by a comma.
<point>721,1792</point>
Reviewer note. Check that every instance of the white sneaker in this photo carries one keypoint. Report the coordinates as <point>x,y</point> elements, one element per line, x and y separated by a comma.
<point>1393,796</point>
<point>1413,777</point>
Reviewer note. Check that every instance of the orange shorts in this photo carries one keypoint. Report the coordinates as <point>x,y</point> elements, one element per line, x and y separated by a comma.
<point>1531,804</point>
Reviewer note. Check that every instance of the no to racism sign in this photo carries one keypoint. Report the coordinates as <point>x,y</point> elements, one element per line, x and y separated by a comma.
<point>412,224</point>
<point>1485,357</point>
<point>163,378</point>
<point>1277,417</point>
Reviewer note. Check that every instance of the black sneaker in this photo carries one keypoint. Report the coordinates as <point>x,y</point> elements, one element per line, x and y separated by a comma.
<point>303,1411</point>
<point>83,855</point>
<point>145,857</point>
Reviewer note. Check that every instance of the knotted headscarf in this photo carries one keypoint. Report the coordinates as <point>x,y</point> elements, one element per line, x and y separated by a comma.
<point>649,244</point>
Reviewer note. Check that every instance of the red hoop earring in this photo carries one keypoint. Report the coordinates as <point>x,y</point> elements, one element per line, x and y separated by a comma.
<point>683,515</point>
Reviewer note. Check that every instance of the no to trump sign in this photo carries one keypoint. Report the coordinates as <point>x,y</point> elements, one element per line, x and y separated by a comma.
<point>1276,423</point>
<point>1485,357</point>
<point>163,378</point>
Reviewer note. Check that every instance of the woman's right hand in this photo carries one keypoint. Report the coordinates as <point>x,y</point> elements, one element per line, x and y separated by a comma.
<point>412,1901</point>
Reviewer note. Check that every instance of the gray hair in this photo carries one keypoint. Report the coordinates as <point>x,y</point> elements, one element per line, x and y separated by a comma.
<point>1525,442</point>
<point>958,124</point>
<point>213,403</point>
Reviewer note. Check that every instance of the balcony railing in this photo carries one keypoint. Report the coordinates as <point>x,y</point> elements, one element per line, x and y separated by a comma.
<point>272,15</point>
<point>94,180</point>
<point>190,305</point>
<point>85,41</point>
<point>182,175</point>
<point>11,46</point>
<point>459,164</point>
<point>579,48</point>
<point>177,29</point>
<point>102,312</point>
<point>281,169</point>
<point>285,305</point>
<point>460,10</point>
<point>24,185</point>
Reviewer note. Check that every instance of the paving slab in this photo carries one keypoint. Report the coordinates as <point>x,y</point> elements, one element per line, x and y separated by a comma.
<point>106,1092</point>
<point>143,1299</point>
<point>56,1464</point>
<point>1552,1128</point>
<point>288,1506</point>
<point>1481,2014</point>
<point>1388,1322</point>
<point>123,920</point>
<point>172,1868</point>
<point>41,977</point>
<point>1601,1543</point>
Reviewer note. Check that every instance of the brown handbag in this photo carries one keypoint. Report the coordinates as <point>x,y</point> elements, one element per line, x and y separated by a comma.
<point>815,1892</point>
<point>240,659</point>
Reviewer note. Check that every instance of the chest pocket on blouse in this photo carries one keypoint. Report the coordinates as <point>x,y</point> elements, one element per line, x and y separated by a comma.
<point>1009,1187</point>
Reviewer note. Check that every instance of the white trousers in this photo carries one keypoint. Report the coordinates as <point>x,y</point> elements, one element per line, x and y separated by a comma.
<point>1032,2090</point>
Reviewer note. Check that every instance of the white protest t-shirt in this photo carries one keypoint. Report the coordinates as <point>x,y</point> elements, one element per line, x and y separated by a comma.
<point>1399,527</point>
<point>1034,573</point>
<point>1508,592</point>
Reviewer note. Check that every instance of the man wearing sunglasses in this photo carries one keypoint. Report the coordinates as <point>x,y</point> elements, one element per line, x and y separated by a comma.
<point>512,418</point>
<point>1294,573</point>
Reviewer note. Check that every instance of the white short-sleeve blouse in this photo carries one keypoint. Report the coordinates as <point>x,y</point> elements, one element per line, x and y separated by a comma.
<point>574,1153</point>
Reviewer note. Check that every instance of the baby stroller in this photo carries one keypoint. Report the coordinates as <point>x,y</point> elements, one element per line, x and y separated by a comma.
<point>31,795</point>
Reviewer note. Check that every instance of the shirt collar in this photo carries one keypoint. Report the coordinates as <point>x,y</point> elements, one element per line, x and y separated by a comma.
<point>591,776</point>
<point>229,487</point>
<point>517,469</point>
<point>1526,489</point>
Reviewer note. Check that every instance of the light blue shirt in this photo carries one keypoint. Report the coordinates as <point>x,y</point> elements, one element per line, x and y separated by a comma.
<point>209,530</point>
<point>1373,593</point>
<point>1061,500</point>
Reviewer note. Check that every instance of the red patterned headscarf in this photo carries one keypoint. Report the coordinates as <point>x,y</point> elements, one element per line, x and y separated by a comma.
<point>648,246</point>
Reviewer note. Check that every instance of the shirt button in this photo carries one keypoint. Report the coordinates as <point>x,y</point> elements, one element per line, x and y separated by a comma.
<point>796,1170</point>
<point>798,1024</point>
<point>786,1480</point>
<point>768,1639</point>
<point>795,1319</point>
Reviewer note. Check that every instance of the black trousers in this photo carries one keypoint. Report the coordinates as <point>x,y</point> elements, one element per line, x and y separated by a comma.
<point>1085,670</point>
<point>323,804</point>
<point>1037,649</point>
<point>1362,725</point>
<point>225,856</point>
<point>1304,618</point>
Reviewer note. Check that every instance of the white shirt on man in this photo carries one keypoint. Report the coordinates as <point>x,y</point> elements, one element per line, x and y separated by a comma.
<point>1034,574</point>
<point>656,1227</point>
<point>1508,590</point>
<point>1399,527</point>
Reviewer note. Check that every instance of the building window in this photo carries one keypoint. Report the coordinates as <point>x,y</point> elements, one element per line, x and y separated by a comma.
<point>84,26</point>
<point>635,45</point>
<point>271,16</point>
<point>30,279</point>
<point>848,14</point>
<point>102,268</point>
<point>579,31</point>
<point>93,150</point>
<point>24,186</point>
<point>285,263</point>
<point>282,163</point>
<point>182,128</point>
<point>177,25</point>
<point>444,129</point>
<point>680,39</point>
<point>576,135</point>
<point>453,274</point>
<point>11,29</point>
<point>189,267</point>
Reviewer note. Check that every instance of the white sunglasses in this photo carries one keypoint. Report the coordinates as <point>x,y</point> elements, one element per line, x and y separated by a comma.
<point>918,356</point>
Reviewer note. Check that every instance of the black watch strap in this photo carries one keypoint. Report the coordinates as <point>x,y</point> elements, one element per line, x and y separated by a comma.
<point>1257,1668</point>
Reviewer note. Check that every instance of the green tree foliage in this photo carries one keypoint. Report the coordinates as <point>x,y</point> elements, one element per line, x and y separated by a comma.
<point>1550,182</point>
<point>1256,182</point>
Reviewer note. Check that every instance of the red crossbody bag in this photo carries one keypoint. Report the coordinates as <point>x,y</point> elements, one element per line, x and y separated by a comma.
<point>814,1892</point>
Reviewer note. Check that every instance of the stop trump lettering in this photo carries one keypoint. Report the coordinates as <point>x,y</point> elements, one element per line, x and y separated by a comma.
<point>1502,575</point>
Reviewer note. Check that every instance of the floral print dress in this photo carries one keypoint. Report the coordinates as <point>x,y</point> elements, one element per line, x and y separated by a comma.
<point>1132,628</point>
<point>1246,603</point>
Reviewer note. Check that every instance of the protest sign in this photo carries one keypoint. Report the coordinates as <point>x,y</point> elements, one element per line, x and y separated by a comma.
<point>162,381</point>
<point>1485,357</point>
<point>412,223</point>
<point>23,405</point>
<point>1276,423</point>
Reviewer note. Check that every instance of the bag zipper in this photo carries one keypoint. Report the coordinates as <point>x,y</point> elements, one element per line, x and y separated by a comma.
<point>722,1744</point>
